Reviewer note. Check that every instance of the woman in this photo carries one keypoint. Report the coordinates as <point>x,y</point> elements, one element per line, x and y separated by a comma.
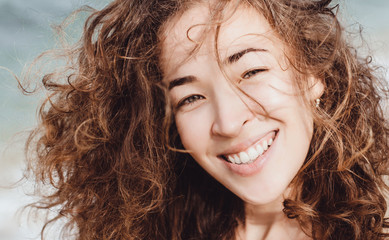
<point>249,119</point>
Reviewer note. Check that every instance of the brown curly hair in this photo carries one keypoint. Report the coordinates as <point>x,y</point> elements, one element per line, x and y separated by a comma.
<point>107,142</point>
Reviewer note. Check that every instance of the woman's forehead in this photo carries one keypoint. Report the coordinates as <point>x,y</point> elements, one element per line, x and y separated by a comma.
<point>242,27</point>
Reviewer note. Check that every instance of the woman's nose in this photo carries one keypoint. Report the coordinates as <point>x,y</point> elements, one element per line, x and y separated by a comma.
<point>231,113</point>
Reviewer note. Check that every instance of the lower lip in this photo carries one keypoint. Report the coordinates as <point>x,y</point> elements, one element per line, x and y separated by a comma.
<point>253,168</point>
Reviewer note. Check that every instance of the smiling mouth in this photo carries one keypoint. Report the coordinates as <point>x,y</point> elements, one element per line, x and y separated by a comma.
<point>252,153</point>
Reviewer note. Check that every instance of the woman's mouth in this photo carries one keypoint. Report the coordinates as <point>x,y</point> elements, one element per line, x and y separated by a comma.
<point>253,152</point>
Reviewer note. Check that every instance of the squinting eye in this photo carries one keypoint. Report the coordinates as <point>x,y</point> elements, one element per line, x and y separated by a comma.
<point>189,100</point>
<point>252,72</point>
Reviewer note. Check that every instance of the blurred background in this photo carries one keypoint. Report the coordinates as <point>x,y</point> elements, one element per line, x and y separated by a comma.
<point>25,31</point>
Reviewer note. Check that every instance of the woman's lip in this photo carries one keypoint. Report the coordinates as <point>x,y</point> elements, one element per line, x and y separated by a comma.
<point>249,169</point>
<point>246,145</point>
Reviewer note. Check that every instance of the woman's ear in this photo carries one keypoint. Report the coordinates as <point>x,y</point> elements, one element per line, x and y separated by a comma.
<point>316,88</point>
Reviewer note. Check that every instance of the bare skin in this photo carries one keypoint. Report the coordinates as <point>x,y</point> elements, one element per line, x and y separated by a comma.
<point>214,121</point>
<point>269,223</point>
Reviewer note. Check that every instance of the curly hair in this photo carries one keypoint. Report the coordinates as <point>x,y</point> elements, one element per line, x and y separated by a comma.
<point>107,142</point>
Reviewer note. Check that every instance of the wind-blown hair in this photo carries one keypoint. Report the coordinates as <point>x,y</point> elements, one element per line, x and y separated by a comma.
<point>106,140</point>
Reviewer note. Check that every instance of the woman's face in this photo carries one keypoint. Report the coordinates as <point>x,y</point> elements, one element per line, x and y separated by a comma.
<point>224,129</point>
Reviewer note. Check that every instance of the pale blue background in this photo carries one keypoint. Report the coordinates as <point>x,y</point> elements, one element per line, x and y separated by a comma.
<point>25,32</point>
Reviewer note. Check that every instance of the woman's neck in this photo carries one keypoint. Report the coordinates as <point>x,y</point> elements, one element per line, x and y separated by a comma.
<point>268,222</point>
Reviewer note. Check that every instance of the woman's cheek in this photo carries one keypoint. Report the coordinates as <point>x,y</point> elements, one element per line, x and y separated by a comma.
<point>192,127</point>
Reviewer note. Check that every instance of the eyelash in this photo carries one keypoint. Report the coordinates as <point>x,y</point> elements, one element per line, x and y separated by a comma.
<point>189,100</point>
<point>252,72</point>
<point>193,98</point>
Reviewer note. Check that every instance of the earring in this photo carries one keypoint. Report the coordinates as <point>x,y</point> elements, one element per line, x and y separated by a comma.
<point>317,100</point>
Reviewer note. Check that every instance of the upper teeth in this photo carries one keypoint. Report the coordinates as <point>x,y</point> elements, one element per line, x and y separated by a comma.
<point>251,153</point>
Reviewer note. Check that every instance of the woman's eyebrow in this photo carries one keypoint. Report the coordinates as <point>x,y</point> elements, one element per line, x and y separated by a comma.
<point>231,59</point>
<point>181,81</point>
<point>236,56</point>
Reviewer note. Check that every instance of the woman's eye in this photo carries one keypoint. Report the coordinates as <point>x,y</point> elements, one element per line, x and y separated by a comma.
<point>252,73</point>
<point>189,100</point>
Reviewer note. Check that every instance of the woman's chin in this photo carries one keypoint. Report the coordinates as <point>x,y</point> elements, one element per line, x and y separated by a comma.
<point>263,199</point>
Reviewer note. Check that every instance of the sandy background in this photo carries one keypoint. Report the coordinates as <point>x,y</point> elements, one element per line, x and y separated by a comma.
<point>25,32</point>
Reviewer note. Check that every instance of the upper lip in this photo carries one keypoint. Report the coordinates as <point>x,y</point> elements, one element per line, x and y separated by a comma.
<point>240,147</point>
